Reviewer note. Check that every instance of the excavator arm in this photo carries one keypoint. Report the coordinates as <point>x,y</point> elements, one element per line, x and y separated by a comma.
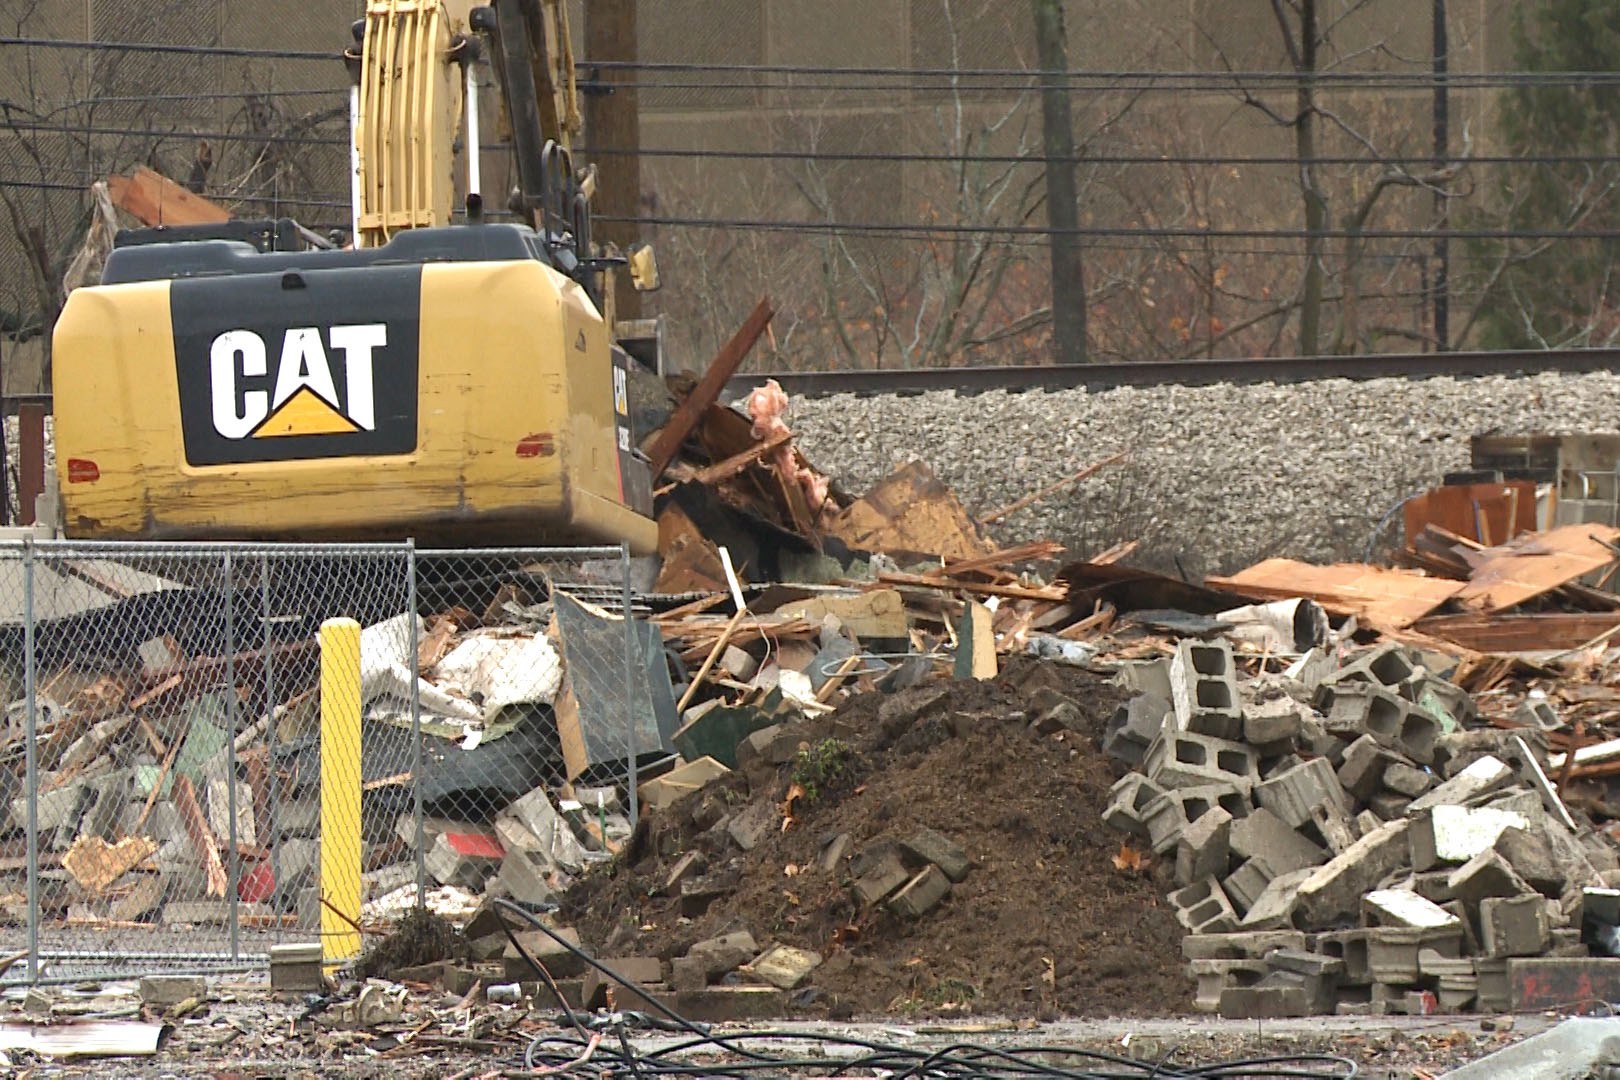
<point>415,99</point>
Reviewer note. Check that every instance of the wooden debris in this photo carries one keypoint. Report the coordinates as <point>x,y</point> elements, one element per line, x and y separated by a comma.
<point>1395,598</point>
<point>707,391</point>
<point>910,511</point>
<point>154,199</point>
<point>95,864</point>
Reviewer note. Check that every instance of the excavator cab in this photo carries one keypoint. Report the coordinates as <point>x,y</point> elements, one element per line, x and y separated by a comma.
<point>458,384</point>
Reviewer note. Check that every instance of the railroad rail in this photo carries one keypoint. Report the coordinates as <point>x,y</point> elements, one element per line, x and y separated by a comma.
<point>977,380</point>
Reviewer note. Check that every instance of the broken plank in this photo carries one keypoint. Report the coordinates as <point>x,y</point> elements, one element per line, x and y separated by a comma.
<point>996,560</point>
<point>1504,577</point>
<point>707,391</point>
<point>202,837</point>
<point>1520,633</point>
<point>155,200</point>
<point>1016,592</point>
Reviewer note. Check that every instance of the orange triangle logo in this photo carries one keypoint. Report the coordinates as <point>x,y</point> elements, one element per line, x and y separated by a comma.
<point>305,414</point>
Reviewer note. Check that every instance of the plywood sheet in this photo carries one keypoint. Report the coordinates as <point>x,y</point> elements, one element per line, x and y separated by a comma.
<point>1392,598</point>
<point>1506,576</point>
<point>1488,513</point>
<point>910,510</point>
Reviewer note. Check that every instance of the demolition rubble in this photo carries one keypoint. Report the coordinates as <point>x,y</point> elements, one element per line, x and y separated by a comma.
<point>883,765</point>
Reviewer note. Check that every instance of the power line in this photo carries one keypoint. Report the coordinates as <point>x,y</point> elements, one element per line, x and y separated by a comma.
<point>924,229</point>
<point>1111,79</point>
<point>1034,157</point>
<point>1428,78</point>
<point>166,48</point>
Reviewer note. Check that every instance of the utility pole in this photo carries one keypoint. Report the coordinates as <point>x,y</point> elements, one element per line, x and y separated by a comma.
<point>1062,209</point>
<point>1442,152</point>
<point>613,122</point>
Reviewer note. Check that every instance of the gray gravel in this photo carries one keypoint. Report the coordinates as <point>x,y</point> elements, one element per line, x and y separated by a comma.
<point>1220,476</point>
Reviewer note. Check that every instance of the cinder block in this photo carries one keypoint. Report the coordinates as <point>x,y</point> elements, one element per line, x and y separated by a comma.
<point>1203,908</point>
<point>1486,774</point>
<point>1392,951</point>
<point>1243,945</point>
<point>1530,854</point>
<point>1215,976</point>
<point>1318,976</point>
<point>1133,728</point>
<point>1402,907</point>
<point>1484,876</point>
<point>1538,713</point>
<point>1130,796</point>
<point>1407,780</point>
<point>1349,946</point>
<point>1245,884</point>
<point>1179,759</point>
<point>1264,834</point>
<point>1455,834</point>
<point>1204,850</point>
<point>1362,770</point>
<point>1203,689</point>
<point>1389,666</point>
<point>1169,814</point>
<point>1292,795</point>
<point>1274,720</point>
<point>1334,891</point>
<point>1263,1002</point>
<point>1514,926</point>
<point>1274,908</point>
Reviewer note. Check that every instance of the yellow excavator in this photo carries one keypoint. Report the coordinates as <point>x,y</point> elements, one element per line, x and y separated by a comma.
<point>458,384</point>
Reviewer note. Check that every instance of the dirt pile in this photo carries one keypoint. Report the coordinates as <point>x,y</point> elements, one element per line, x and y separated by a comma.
<point>1044,923</point>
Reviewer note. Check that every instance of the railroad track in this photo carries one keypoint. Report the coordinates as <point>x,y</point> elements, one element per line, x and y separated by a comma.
<point>977,380</point>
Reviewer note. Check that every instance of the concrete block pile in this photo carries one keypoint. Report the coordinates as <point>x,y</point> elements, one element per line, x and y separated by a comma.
<point>1342,843</point>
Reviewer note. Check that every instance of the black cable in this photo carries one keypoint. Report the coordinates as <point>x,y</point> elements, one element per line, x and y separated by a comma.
<point>925,229</point>
<point>336,56</point>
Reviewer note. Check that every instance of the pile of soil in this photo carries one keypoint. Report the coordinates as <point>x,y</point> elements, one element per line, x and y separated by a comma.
<point>1045,924</point>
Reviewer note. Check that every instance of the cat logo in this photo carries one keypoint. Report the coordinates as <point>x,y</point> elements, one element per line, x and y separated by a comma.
<point>329,371</point>
<point>303,399</point>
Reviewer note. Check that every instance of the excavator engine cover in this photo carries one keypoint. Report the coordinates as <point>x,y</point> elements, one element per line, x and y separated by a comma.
<point>451,385</point>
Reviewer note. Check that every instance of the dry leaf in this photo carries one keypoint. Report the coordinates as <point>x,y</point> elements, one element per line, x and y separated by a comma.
<point>1129,859</point>
<point>791,870</point>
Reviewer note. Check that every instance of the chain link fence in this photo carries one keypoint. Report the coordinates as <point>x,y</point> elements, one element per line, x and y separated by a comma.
<point>185,780</point>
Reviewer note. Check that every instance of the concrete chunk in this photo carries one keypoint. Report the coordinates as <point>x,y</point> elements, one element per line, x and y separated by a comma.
<point>1514,925</point>
<point>783,966</point>
<point>1274,720</point>
<point>1530,854</point>
<point>928,846</point>
<point>1167,816</point>
<point>1486,875</point>
<point>921,893</point>
<point>167,991</point>
<point>1575,1048</point>
<point>1133,728</point>
<point>1292,795</point>
<point>1275,907</point>
<point>1334,891</point>
<point>1263,1002</point>
<point>1400,907</point>
<point>716,956</point>
<point>1204,849</point>
<point>1408,780</point>
<point>1244,945</point>
<point>1265,835</point>
<point>1362,770</point>
<point>1486,774</point>
<point>1455,834</point>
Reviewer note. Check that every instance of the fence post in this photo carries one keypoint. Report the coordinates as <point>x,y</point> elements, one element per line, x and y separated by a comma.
<point>340,790</point>
<point>233,867</point>
<point>631,647</point>
<point>271,832</point>
<point>416,724</point>
<point>31,767</point>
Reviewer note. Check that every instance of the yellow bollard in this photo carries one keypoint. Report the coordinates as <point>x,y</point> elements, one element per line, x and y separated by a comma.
<point>340,791</point>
